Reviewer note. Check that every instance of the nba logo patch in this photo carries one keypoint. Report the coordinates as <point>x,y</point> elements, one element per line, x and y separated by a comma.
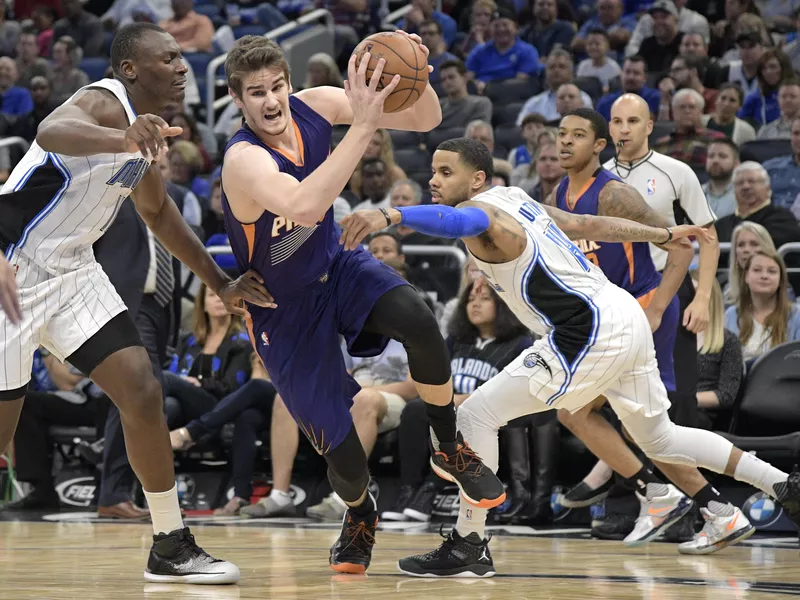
<point>265,338</point>
<point>651,186</point>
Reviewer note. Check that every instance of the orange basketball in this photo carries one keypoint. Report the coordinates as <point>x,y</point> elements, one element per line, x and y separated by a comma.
<point>403,57</point>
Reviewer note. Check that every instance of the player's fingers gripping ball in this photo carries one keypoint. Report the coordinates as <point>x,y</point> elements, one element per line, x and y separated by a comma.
<point>403,57</point>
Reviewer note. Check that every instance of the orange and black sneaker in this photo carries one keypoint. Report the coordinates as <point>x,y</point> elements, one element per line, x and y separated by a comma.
<point>458,463</point>
<point>353,550</point>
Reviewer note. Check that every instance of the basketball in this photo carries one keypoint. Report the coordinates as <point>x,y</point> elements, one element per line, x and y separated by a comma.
<point>403,57</point>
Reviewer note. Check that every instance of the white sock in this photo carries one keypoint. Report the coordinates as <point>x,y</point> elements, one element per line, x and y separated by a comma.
<point>164,510</point>
<point>280,497</point>
<point>599,475</point>
<point>471,519</point>
<point>758,473</point>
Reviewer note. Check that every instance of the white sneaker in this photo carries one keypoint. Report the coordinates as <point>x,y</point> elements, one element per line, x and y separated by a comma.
<point>719,532</point>
<point>332,508</point>
<point>656,515</point>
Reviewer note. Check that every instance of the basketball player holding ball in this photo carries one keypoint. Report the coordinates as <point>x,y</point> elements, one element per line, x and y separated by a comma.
<point>279,181</point>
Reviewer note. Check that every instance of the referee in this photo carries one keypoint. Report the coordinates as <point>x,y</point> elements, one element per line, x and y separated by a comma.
<point>671,188</point>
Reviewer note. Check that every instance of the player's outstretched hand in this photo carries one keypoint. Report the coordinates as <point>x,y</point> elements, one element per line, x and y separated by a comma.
<point>248,288</point>
<point>358,225</point>
<point>684,231</point>
<point>148,134</point>
<point>9,294</point>
<point>365,98</point>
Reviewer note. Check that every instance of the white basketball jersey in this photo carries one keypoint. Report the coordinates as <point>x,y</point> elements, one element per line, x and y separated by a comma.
<point>60,205</point>
<point>550,286</point>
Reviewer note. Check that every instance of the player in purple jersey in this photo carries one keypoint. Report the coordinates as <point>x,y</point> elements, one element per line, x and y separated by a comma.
<point>279,184</point>
<point>590,189</point>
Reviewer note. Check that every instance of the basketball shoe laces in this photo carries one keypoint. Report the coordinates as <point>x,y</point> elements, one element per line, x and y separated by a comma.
<point>359,536</point>
<point>465,460</point>
<point>185,549</point>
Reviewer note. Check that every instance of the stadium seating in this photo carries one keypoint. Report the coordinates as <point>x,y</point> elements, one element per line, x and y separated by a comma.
<point>766,419</point>
<point>761,150</point>
<point>413,159</point>
<point>506,114</point>
<point>591,85</point>
<point>511,90</point>
<point>95,68</point>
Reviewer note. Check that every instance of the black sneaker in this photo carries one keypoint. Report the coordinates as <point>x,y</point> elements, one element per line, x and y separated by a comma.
<point>353,550</point>
<point>683,529</point>
<point>421,505</point>
<point>582,495</point>
<point>395,513</point>
<point>456,557</point>
<point>614,527</point>
<point>176,558</point>
<point>788,494</point>
<point>458,463</point>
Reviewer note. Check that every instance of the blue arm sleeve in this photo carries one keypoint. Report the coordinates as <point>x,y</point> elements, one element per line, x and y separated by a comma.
<point>445,221</point>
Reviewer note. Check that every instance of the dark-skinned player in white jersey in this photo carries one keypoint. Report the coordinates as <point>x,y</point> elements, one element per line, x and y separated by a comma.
<point>596,339</point>
<point>90,155</point>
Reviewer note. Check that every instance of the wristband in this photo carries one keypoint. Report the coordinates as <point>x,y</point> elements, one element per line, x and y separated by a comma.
<point>669,233</point>
<point>389,220</point>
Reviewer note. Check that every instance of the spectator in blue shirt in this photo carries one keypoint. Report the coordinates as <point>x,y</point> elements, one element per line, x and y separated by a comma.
<point>610,19</point>
<point>423,10</point>
<point>784,173</point>
<point>547,32</point>
<point>505,56</point>
<point>761,105</point>
<point>17,101</point>
<point>634,77</point>
<point>431,33</point>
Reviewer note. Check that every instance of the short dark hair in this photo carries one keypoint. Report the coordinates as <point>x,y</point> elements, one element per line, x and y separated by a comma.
<point>472,153</point>
<point>597,31</point>
<point>126,43</point>
<point>597,121</point>
<point>429,22</point>
<point>726,141</point>
<point>388,233</point>
<point>637,58</point>
<point>533,118</point>
<point>454,63</point>
<point>698,63</point>
<point>736,87</point>
<point>506,325</point>
<point>372,161</point>
<point>252,53</point>
<point>789,81</point>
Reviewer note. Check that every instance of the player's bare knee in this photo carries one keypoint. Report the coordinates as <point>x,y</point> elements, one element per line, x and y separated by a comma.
<point>142,399</point>
<point>368,405</point>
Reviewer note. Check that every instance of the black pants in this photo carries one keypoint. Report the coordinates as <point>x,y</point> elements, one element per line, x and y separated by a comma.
<point>249,408</point>
<point>33,446</point>
<point>184,401</point>
<point>117,478</point>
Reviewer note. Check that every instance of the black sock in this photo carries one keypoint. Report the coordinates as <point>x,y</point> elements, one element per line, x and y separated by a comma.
<point>707,495</point>
<point>640,480</point>
<point>365,508</point>
<point>443,421</point>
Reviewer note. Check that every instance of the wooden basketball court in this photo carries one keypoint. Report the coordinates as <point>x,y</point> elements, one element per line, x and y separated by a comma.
<point>71,558</point>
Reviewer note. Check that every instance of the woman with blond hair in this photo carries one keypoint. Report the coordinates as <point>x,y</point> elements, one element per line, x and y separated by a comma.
<point>747,239</point>
<point>379,147</point>
<point>719,360</point>
<point>186,164</point>
<point>322,70</point>
<point>763,317</point>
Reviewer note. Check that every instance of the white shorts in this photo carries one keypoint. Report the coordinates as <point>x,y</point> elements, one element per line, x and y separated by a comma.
<point>619,364</point>
<point>59,312</point>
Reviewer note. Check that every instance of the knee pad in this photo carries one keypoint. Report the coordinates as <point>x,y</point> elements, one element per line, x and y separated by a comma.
<point>347,468</point>
<point>663,445</point>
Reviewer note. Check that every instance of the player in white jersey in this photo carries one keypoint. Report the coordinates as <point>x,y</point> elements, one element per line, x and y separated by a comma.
<point>595,337</point>
<point>90,154</point>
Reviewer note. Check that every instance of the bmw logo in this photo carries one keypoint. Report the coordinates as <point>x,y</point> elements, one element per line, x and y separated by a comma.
<point>762,510</point>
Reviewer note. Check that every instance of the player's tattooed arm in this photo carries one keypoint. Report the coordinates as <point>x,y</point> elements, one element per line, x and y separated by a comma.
<point>614,229</point>
<point>618,199</point>
<point>505,238</point>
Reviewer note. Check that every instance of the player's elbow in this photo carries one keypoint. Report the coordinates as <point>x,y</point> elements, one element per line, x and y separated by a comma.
<point>44,136</point>
<point>305,216</point>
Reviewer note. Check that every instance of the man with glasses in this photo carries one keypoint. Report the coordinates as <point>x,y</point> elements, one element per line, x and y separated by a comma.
<point>431,33</point>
